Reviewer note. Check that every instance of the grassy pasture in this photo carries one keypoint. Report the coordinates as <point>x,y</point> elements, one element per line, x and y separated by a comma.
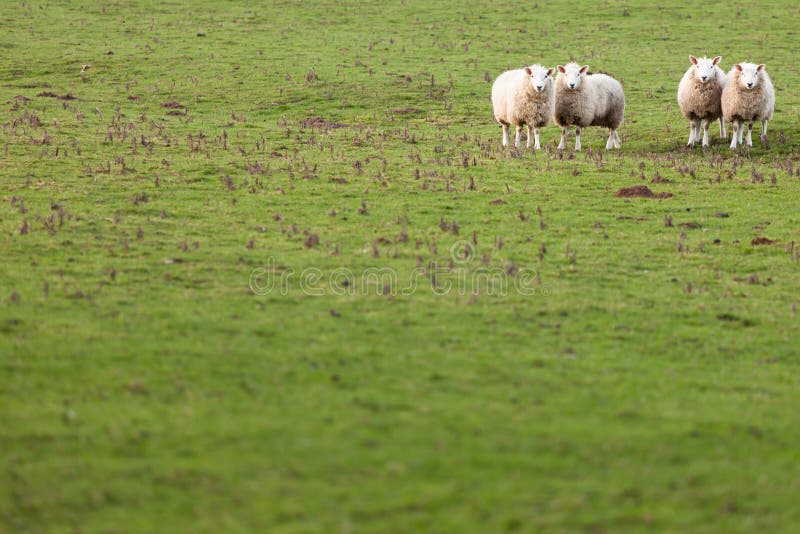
<point>517,349</point>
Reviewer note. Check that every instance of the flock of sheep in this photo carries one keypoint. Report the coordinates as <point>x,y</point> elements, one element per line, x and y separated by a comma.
<point>532,96</point>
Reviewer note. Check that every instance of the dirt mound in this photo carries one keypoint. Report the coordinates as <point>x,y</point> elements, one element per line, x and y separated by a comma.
<point>640,191</point>
<point>762,241</point>
<point>172,105</point>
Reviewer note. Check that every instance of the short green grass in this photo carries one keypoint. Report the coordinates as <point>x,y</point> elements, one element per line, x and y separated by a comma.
<point>638,372</point>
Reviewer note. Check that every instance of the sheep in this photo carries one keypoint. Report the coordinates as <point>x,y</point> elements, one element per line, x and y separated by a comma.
<point>524,97</point>
<point>700,97</point>
<point>747,97</point>
<point>586,99</point>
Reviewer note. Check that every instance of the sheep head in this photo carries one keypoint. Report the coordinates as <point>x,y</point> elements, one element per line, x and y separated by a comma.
<point>540,77</point>
<point>704,67</point>
<point>573,75</point>
<point>749,74</point>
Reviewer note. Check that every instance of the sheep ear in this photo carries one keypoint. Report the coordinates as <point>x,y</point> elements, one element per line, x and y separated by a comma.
<point>693,60</point>
<point>550,72</point>
<point>584,69</point>
<point>717,60</point>
<point>738,67</point>
<point>760,67</point>
<point>561,69</point>
<point>528,71</point>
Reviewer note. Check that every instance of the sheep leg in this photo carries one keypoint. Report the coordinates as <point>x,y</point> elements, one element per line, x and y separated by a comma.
<point>693,137</point>
<point>610,142</point>
<point>750,133</point>
<point>706,124</point>
<point>741,132</point>
<point>617,142</point>
<point>764,132</point>
<point>577,138</point>
<point>722,133</point>
<point>516,136</point>
<point>536,144</point>
<point>563,144</point>
<point>505,134</point>
<point>528,139</point>
<point>736,134</point>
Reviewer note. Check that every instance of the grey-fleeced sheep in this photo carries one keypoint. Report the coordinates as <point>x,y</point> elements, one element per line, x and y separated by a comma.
<point>700,97</point>
<point>584,99</point>
<point>523,97</point>
<point>747,97</point>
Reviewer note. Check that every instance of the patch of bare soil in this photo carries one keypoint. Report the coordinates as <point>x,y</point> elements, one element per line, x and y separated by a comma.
<point>641,191</point>
<point>50,94</point>
<point>319,122</point>
<point>406,111</point>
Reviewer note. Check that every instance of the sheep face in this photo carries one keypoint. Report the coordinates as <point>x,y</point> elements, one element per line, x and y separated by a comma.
<point>704,67</point>
<point>749,74</point>
<point>573,75</point>
<point>540,77</point>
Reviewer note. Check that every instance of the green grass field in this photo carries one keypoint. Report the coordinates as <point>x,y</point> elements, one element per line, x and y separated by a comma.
<point>267,268</point>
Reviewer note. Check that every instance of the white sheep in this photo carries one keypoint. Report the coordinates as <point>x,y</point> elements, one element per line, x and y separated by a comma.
<point>523,97</point>
<point>747,97</point>
<point>700,97</point>
<point>585,99</point>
